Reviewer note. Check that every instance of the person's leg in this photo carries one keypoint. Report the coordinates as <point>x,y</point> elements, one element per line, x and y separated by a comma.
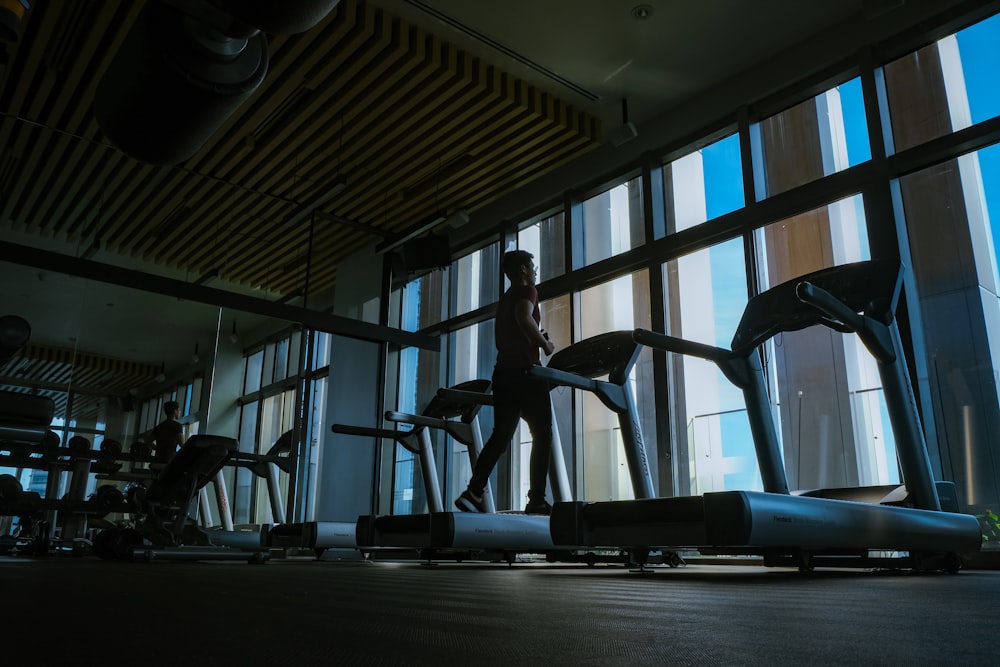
<point>506,414</point>
<point>536,409</point>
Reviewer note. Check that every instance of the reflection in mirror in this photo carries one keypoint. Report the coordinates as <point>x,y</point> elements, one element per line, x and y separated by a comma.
<point>108,356</point>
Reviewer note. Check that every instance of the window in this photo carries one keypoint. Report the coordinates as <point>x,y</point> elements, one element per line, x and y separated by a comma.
<point>944,87</point>
<point>953,246</point>
<point>827,236</point>
<point>546,240</point>
<point>253,366</point>
<point>476,282</point>
<point>703,185</point>
<point>620,304</point>
<point>816,138</point>
<point>706,293</point>
<point>424,301</point>
<point>419,379</point>
<point>608,224</point>
<point>824,385</point>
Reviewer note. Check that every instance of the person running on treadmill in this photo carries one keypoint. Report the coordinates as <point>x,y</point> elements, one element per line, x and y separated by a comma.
<point>168,434</point>
<point>517,395</point>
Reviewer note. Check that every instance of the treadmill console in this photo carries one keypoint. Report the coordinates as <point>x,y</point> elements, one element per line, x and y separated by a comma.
<point>443,408</point>
<point>612,354</point>
<point>870,287</point>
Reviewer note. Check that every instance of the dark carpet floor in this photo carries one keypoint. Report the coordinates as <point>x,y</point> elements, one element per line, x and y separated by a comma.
<point>85,611</point>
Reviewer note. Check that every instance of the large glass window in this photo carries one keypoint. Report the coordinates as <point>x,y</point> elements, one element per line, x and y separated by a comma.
<point>815,138</point>
<point>825,385</point>
<point>254,366</point>
<point>546,240</point>
<point>608,224</point>
<point>476,280</point>
<point>424,301</point>
<point>602,471</point>
<point>953,248</point>
<point>703,185</point>
<point>945,86</point>
<point>706,293</point>
<point>419,379</point>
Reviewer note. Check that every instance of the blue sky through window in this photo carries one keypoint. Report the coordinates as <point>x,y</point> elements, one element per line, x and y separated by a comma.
<point>723,177</point>
<point>977,45</point>
<point>855,128</point>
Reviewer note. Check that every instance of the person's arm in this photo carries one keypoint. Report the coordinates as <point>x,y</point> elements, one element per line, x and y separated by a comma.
<point>523,309</point>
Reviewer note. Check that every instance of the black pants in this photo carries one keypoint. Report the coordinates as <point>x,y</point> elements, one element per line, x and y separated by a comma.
<point>518,396</point>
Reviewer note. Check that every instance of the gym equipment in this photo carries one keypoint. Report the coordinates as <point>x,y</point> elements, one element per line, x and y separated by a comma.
<point>815,528</point>
<point>164,528</point>
<point>494,536</point>
<point>440,412</point>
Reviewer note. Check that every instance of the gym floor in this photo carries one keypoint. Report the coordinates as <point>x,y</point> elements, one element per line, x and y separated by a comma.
<point>65,610</point>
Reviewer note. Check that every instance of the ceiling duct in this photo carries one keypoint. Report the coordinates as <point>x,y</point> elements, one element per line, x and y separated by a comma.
<point>161,97</point>
<point>185,67</point>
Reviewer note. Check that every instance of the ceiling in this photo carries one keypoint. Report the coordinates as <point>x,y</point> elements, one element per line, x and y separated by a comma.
<point>386,112</point>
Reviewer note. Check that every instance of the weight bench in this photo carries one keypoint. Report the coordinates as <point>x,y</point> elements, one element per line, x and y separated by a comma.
<point>166,507</point>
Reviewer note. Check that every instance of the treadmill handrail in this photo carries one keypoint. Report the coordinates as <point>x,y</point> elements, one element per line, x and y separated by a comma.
<point>416,420</point>
<point>607,392</point>
<point>564,378</point>
<point>841,317</point>
<point>462,396</point>
<point>680,346</point>
<point>459,430</point>
<point>402,437</point>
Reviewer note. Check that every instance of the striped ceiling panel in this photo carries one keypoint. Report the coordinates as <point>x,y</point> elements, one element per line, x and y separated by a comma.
<point>94,379</point>
<point>413,124</point>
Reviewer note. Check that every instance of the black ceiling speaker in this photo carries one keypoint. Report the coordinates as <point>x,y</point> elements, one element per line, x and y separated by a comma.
<point>14,334</point>
<point>174,81</point>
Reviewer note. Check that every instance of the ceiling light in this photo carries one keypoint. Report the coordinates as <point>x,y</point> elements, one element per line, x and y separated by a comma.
<point>459,218</point>
<point>324,195</point>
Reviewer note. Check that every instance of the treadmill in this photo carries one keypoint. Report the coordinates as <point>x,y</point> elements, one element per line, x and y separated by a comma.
<point>457,417</point>
<point>820,527</point>
<point>452,534</point>
<point>501,535</point>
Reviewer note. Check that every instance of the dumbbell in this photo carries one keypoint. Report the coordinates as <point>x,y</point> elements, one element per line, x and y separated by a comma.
<point>78,444</point>
<point>10,489</point>
<point>50,441</point>
<point>111,446</point>
<point>108,497</point>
